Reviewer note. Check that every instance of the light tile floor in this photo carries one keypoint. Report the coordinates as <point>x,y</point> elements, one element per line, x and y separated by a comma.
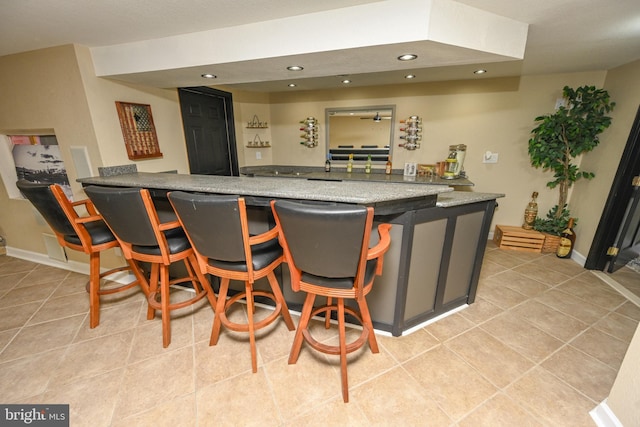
<point>541,346</point>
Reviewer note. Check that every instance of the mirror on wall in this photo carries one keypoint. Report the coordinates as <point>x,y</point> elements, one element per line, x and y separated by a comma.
<point>361,131</point>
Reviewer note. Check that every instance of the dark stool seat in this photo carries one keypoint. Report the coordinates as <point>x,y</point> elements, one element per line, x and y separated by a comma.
<point>327,250</point>
<point>87,233</point>
<point>219,232</point>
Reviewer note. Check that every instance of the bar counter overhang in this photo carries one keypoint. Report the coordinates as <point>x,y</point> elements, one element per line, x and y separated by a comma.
<point>438,235</point>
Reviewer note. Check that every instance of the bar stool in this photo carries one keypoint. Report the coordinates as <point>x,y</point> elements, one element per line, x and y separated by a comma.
<point>218,229</point>
<point>132,216</point>
<point>327,250</point>
<point>87,233</point>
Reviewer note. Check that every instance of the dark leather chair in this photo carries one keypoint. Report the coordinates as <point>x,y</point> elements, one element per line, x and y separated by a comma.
<point>87,233</point>
<point>132,216</point>
<point>327,250</point>
<point>218,228</point>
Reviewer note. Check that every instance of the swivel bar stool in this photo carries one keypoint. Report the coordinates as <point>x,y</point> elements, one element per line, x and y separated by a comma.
<point>87,233</point>
<point>132,216</point>
<point>218,229</point>
<point>327,250</point>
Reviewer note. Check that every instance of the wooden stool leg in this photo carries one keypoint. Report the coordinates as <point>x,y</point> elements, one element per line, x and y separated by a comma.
<point>366,321</point>
<point>302,325</point>
<point>206,285</point>
<point>164,303</point>
<point>153,287</point>
<point>252,333</point>
<point>222,299</point>
<point>275,288</point>
<point>343,351</point>
<point>327,314</point>
<point>142,281</point>
<point>94,289</point>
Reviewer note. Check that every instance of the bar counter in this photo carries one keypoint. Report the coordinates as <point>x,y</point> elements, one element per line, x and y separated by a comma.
<point>438,235</point>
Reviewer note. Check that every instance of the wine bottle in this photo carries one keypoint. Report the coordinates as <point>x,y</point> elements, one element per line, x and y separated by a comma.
<point>388,168</point>
<point>327,163</point>
<point>367,166</point>
<point>350,164</point>
<point>567,240</point>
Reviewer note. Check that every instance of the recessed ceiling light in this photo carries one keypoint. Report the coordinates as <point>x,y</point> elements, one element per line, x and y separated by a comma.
<point>407,57</point>
<point>410,76</point>
<point>481,71</point>
<point>295,68</point>
<point>346,81</point>
<point>209,76</point>
<point>292,85</point>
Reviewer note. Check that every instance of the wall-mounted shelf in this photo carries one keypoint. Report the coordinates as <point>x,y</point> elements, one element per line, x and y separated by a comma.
<point>258,143</point>
<point>255,123</point>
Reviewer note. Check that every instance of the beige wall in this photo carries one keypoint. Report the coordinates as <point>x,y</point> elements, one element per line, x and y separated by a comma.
<point>101,95</point>
<point>56,89</point>
<point>488,114</point>
<point>624,399</point>
<point>590,196</point>
<point>42,90</point>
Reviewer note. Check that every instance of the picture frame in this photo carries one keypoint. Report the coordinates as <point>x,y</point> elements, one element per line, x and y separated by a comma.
<point>138,130</point>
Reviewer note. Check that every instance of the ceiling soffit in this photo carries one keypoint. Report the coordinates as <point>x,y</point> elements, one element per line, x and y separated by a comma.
<point>352,40</point>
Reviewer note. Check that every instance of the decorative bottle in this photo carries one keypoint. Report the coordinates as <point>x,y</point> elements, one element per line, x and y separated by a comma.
<point>567,240</point>
<point>531,212</point>
<point>327,163</point>
<point>388,167</point>
<point>367,166</point>
<point>452,164</point>
<point>350,164</point>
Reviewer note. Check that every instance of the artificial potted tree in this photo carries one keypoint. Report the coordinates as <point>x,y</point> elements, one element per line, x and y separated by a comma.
<point>558,139</point>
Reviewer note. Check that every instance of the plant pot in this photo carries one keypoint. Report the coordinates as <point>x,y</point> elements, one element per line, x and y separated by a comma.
<point>551,243</point>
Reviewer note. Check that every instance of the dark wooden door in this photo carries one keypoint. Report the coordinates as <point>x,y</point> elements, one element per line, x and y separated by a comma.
<point>619,202</point>
<point>207,116</point>
<point>627,245</point>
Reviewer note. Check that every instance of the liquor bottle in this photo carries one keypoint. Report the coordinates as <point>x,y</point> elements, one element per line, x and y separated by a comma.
<point>367,166</point>
<point>531,212</point>
<point>327,163</point>
<point>567,240</point>
<point>452,165</point>
<point>350,164</point>
<point>388,167</point>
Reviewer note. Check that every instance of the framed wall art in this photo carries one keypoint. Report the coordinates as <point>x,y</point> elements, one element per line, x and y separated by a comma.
<point>138,130</point>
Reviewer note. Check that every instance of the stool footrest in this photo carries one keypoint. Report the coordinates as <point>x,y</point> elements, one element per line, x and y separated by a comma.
<point>244,327</point>
<point>334,349</point>
<point>117,289</point>
<point>157,305</point>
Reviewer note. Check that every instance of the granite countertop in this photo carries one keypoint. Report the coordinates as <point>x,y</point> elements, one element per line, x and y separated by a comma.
<point>303,189</point>
<point>340,174</point>
<point>456,198</point>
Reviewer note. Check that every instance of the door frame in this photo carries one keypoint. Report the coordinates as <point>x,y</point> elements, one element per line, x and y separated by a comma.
<point>617,201</point>
<point>229,120</point>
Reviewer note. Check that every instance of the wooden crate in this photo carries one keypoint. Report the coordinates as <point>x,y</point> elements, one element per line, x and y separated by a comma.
<point>551,243</point>
<point>518,239</point>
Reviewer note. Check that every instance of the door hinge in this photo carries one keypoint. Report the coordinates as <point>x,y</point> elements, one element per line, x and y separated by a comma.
<point>612,251</point>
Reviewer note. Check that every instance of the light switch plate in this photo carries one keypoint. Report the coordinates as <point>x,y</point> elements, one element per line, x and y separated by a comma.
<point>490,157</point>
<point>258,155</point>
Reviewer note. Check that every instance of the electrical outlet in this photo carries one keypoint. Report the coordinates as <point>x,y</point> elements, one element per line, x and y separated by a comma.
<point>258,155</point>
<point>490,157</point>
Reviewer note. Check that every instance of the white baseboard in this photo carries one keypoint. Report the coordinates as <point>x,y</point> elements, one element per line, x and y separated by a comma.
<point>75,266</point>
<point>603,416</point>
